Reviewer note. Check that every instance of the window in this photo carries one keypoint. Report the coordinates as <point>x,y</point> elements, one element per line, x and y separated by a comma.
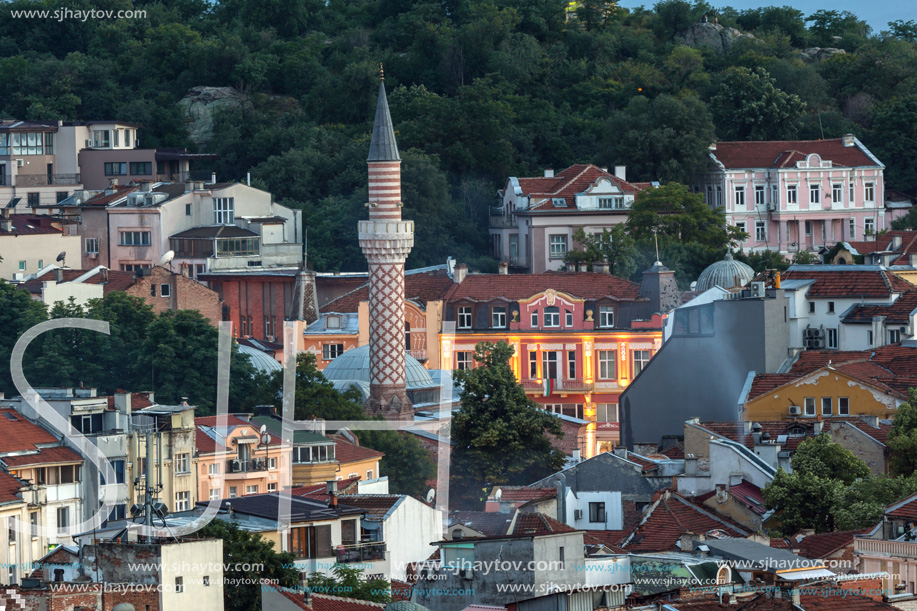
<point>568,317</point>
<point>206,581</point>
<point>597,512</point>
<point>332,351</point>
<point>852,193</point>
<point>894,336</point>
<point>843,406</point>
<point>852,229</point>
<point>34,199</point>
<point>607,360</point>
<point>611,203</point>
<point>558,246</point>
<point>33,523</point>
<point>253,489</point>
<point>498,317</point>
<point>12,529</point>
<point>826,406</point>
<point>92,246</point>
<point>271,463</point>
<point>534,317</point>
<point>135,238</point>
<point>552,316</point>
<point>814,194</point>
<point>791,194</point>
<point>187,209</point>
<point>132,267</point>
<point>837,194</point>
<point>62,195</point>
<point>830,307</point>
<point>641,358</point>
<point>560,556</point>
<point>117,465</point>
<point>775,197</point>
<point>533,364</point>
<point>869,226</point>
<point>115,169</point>
<point>101,138</point>
<point>760,231</point>
<point>549,362</point>
<point>606,317</point>
<point>759,195</point>
<point>127,138</point>
<point>559,202</point>
<point>741,226</point>
<point>709,195</point>
<point>464,317</point>
<point>165,290</point>
<point>571,364</point>
<point>182,501</point>
<point>141,168</point>
<point>740,197</point>
<point>152,290</point>
<point>272,487</point>
<point>606,412</point>
<point>223,211</point>
<point>63,520</point>
<point>179,585</point>
<point>811,307</point>
<point>810,406</point>
<point>869,192</point>
<point>214,469</point>
<point>463,360</point>
<point>808,227</point>
<point>719,196</point>
<point>869,338</point>
<point>370,475</point>
<point>41,263</point>
<point>831,335</point>
<point>182,464</point>
<point>232,492</point>
<point>27,144</point>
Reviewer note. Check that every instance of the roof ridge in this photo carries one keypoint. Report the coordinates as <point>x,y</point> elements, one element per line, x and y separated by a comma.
<point>586,167</point>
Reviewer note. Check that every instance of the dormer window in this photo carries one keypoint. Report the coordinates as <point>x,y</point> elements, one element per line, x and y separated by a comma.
<point>535,319</point>
<point>606,317</point>
<point>333,322</point>
<point>611,203</point>
<point>498,317</point>
<point>552,316</point>
<point>463,317</point>
<point>569,318</point>
<point>559,202</point>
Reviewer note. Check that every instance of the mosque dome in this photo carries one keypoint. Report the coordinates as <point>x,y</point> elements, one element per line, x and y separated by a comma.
<point>353,367</point>
<point>726,274</point>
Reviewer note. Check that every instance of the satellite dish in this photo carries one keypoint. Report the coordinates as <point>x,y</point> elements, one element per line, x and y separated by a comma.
<point>266,439</point>
<point>431,494</point>
<point>263,429</point>
<point>167,258</point>
<point>62,256</point>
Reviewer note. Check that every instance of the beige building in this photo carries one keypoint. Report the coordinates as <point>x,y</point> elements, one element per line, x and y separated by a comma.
<point>28,243</point>
<point>20,542</point>
<point>171,428</point>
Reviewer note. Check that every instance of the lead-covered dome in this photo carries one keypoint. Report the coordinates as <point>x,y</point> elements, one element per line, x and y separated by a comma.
<point>353,367</point>
<point>726,274</point>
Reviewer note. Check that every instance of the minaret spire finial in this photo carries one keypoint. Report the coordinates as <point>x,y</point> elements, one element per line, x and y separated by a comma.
<point>381,72</point>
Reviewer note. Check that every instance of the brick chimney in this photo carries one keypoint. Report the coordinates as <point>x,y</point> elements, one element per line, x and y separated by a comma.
<point>461,271</point>
<point>849,140</point>
<point>503,268</point>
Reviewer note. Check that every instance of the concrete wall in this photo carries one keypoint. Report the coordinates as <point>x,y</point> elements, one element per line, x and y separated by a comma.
<point>192,561</point>
<point>92,165</point>
<point>408,533</point>
<point>37,250</point>
<point>866,448</point>
<point>81,293</point>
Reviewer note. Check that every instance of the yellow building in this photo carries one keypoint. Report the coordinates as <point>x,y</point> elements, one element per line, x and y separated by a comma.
<point>857,388</point>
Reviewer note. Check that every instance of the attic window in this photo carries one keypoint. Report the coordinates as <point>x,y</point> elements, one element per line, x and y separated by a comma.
<point>333,322</point>
<point>796,431</point>
<point>10,416</point>
<point>559,202</point>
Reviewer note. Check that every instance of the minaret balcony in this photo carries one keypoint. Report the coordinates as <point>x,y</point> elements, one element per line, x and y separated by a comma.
<point>386,230</point>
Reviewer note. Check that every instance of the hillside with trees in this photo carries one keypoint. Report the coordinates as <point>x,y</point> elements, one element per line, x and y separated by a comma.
<point>479,90</point>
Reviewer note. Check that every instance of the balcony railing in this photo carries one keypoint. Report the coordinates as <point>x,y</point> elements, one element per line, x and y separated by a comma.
<point>45,180</point>
<point>560,386</point>
<point>518,261</point>
<point>879,547</point>
<point>246,466</point>
<point>499,219</point>
<point>361,552</point>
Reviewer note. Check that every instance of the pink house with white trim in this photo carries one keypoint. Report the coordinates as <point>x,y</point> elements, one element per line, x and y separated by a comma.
<point>797,195</point>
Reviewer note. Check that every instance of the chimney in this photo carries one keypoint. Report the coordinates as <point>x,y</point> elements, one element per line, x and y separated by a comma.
<point>604,168</point>
<point>601,267</point>
<point>248,178</point>
<point>104,273</point>
<point>686,543</point>
<point>113,183</point>
<point>794,593</point>
<point>7,225</point>
<point>621,172</point>
<point>712,146</point>
<point>461,271</point>
<point>896,242</point>
<point>571,266</point>
<point>58,275</point>
<point>817,427</point>
<point>184,270</point>
<point>549,173</point>
<point>146,186</point>
<point>213,178</point>
<point>306,592</point>
<point>503,268</point>
<point>849,140</point>
<point>583,266</point>
<point>123,401</point>
<point>913,259</point>
<point>189,186</point>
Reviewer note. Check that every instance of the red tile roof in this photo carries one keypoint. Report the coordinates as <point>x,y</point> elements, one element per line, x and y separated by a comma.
<point>849,283</point>
<point>320,491</point>
<point>401,591</point>
<point>373,504</point>
<point>322,602</point>
<point>610,538</point>
<point>765,382</point>
<point>346,452</point>
<point>897,313</point>
<point>832,600</point>
<point>736,432</point>
<point>822,545</point>
<point>672,515</point>
<point>103,199</point>
<point>524,494</point>
<point>207,445</point>
<point>418,287</point>
<point>117,280</point>
<point>864,370</point>
<point>782,154</point>
<point>538,524</point>
<point>21,435</point>
<point>489,524</point>
<point>907,511</point>
<point>33,224</point>
<point>567,184</point>
<point>781,543</point>
<point>513,287</point>
<point>674,452</point>
<point>9,488</point>
<point>52,455</point>
<point>749,495</point>
<point>139,400</point>
<point>810,360</point>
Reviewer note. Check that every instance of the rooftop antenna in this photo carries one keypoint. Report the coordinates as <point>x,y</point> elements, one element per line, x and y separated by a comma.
<point>61,258</point>
<point>166,258</point>
<point>656,239</point>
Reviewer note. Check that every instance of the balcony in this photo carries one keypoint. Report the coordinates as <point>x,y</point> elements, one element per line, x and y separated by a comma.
<point>499,220</point>
<point>890,549</point>
<point>518,261</point>
<point>361,552</point>
<point>289,254</point>
<point>560,386</point>
<point>246,466</point>
<point>46,180</point>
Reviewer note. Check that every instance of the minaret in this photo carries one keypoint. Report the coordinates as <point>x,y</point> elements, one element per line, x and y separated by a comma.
<point>386,241</point>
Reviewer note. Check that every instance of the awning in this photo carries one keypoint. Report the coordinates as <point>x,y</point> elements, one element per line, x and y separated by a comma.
<point>248,439</point>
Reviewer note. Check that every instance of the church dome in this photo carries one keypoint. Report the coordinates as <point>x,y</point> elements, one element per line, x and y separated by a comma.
<point>726,274</point>
<point>353,367</point>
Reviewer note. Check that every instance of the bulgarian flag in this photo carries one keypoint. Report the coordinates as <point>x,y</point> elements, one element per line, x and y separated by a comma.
<point>548,385</point>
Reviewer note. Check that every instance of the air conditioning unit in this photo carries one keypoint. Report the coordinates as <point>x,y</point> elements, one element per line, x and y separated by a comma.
<point>466,573</point>
<point>816,343</point>
<point>757,289</point>
<point>20,163</point>
<point>813,333</point>
<point>236,466</point>
<point>577,514</point>
<point>795,410</point>
<point>92,255</point>
<point>772,206</point>
<point>89,144</point>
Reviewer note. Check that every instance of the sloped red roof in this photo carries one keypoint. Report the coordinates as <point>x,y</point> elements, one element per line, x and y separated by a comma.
<point>524,494</point>
<point>781,543</point>
<point>538,524</point>
<point>346,452</point>
<point>736,432</point>
<point>567,184</point>
<point>513,287</point>
<point>865,371</point>
<point>671,516</point>
<point>749,495</point>
<point>419,287</point>
<point>489,524</point>
<point>849,283</point>
<point>322,602</point>
<point>908,511</point>
<point>766,382</point>
<point>897,313</point>
<point>320,491</point>
<point>139,400</point>
<point>810,360</point>
<point>32,224</point>
<point>833,600</point>
<point>374,504</point>
<point>103,199</point>
<point>9,488</point>
<point>879,433</point>
<point>609,538</point>
<point>206,444</point>
<point>117,280</point>
<point>822,545</point>
<point>52,455</point>
<point>19,434</point>
<point>785,153</point>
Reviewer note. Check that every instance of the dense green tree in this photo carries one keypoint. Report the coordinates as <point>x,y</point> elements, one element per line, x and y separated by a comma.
<point>18,313</point>
<point>500,435</point>
<point>749,106</point>
<point>351,580</point>
<point>614,247</point>
<point>902,439</point>
<point>241,549</point>
<point>895,132</point>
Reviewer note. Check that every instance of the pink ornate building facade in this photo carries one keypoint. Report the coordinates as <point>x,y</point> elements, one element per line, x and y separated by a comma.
<point>791,196</point>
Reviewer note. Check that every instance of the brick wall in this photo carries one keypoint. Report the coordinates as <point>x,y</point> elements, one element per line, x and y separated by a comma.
<point>247,294</point>
<point>184,294</point>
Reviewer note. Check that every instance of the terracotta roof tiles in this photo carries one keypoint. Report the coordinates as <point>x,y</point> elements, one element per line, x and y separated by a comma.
<point>420,287</point>
<point>849,283</point>
<point>567,184</point>
<point>897,313</point>
<point>9,488</point>
<point>19,434</point>
<point>346,452</point>
<point>52,455</point>
<point>822,545</point>
<point>775,154</point>
<point>513,287</point>
<point>32,224</point>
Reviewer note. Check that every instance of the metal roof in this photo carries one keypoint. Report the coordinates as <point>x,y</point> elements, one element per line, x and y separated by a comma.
<point>383,146</point>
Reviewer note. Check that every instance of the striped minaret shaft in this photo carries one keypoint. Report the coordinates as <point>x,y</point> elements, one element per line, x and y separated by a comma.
<point>386,241</point>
